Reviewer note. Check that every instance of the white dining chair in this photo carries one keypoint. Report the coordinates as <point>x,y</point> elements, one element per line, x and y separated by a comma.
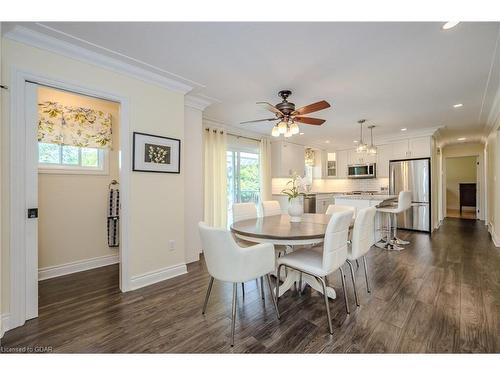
<point>320,264</point>
<point>362,239</point>
<point>271,208</point>
<point>391,241</point>
<point>332,208</point>
<point>228,262</point>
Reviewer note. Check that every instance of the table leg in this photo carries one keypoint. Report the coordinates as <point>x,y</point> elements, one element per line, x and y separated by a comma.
<point>294,276</point>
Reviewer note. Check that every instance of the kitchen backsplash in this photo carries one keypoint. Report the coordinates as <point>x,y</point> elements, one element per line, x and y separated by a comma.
<point>337,185</point>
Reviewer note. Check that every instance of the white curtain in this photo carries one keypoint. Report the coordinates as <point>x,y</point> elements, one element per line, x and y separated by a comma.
<point>265,169</point>
<point>215,178</point>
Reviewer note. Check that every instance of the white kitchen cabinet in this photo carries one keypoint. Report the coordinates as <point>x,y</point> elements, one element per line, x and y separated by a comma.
<point>322,202</point>
<point>384,155</point>
<point>419,147</point>
<point>330,164</point>
<point>286,159</point>
<point>342,161</point>
<point>361,158</point>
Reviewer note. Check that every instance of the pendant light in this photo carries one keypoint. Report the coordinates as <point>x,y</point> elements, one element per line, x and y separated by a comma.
<point>371,149</point>
<point>361,145</point>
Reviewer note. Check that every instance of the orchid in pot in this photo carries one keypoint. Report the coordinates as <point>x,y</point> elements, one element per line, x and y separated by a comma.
<point>295,191</point>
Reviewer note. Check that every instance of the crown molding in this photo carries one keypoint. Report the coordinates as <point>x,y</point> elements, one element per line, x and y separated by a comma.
<point>42,41</point>
<point>196,102</point>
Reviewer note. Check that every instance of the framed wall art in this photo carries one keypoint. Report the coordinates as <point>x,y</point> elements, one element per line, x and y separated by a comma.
<point>153,153</point>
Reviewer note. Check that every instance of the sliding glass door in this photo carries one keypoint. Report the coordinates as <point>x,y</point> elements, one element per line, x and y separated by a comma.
<point>243,179</point>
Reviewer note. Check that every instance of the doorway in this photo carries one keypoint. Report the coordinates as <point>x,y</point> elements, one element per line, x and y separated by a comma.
<point>24,190</point>
<point>462,187</point>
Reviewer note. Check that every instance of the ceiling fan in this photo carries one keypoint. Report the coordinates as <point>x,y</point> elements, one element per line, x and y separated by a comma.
<point>288,116</point>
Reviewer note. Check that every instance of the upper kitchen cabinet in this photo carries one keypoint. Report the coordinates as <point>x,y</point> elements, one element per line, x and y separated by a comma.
<point>342,157</point>
<point>330,164</point>
<point>360,158</point>
<point>419,147</point>
<point>384,155</point>
<point>286,159</point>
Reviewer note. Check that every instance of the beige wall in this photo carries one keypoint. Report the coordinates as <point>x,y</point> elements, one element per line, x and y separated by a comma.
<point>156,207</point>
<point>458,170</point>
<point>73,207</point>
<point>1,206</point>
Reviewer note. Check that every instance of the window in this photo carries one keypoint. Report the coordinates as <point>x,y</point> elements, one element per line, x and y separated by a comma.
<point>243,178</point>
<point>56,158</point>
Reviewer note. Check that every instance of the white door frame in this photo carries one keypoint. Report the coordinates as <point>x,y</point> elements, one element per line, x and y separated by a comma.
<point>480,191</point>
<point>22,258</point>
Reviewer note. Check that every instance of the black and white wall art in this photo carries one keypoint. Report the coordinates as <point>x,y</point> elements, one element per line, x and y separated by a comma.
<point>153,153</point>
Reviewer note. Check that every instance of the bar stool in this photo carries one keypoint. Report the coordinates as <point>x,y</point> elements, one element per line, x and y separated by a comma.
<point>392,242</point>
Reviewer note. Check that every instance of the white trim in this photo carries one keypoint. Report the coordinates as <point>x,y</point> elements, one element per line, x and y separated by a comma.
<point>4,323</point>
<point>19,258</point>
<point>494,237</point>
<point>153,277</point>
<point>196,102</point>
<point>42,41</point>
<point>78,266</point>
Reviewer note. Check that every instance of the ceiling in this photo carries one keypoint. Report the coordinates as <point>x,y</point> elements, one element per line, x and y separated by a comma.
<point>396,75</point>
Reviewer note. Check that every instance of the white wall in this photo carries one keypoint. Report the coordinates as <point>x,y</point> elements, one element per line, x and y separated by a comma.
<point>156,207</point>
<point>73,207</point>
<point>1,161</point>
<point>193,165</point>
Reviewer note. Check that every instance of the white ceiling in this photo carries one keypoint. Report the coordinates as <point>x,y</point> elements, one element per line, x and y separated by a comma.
<point>396,75</point>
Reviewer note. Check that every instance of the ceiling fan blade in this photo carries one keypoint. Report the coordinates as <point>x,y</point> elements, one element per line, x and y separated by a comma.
<point>309,120</point>
<point>271,108</point>
<point>264,119</point>
<point>318,106</point>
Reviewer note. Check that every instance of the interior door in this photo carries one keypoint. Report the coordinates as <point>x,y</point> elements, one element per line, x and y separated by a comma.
<point>31,209</point>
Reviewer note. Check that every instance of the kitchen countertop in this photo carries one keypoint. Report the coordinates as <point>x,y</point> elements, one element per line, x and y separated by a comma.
<point>372,197</point>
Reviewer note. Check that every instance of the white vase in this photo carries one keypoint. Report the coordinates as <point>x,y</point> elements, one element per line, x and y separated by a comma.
<point>296,209</point>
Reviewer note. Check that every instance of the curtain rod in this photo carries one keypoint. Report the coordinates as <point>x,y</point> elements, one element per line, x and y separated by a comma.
<point>236,135</point>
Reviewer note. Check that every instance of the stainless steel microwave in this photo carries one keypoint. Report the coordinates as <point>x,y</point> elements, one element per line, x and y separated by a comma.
<point>367,170</point>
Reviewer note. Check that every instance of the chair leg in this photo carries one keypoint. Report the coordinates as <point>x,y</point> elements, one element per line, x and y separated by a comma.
<point>210,283</point>
<point>353,282</point>
<point>272,295</point>
<point>366,275</point>
<point>233,313</point>
<point>323,284</point>
<point>357,263</point>
<point>300,284</point>
<point>278,272</point>
<point>345,293</point>
<point>262,286</point>
<point>243,289</point>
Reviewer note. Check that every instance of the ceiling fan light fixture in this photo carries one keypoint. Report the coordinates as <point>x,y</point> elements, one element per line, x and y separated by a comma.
<point>294,128</point>
<point>282,126</point>
<point>276,131</point>
<point>288,133</point>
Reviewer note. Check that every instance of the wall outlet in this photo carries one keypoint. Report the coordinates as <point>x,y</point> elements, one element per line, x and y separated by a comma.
<point>171,245</point>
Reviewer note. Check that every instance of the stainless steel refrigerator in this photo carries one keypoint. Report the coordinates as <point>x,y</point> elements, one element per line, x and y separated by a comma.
<point>415,176</point>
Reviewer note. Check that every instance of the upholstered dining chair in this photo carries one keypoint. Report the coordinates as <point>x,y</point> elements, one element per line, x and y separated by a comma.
<point>332,208</point>
<point>228,262</point>
<point>362,239</point>
<point>271,208</point>
<point>320,264</point>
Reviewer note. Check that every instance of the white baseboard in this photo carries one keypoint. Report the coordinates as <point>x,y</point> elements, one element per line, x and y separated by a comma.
<point>494,237</point>
<point>78,266</point>
<point>5,323</point>
<point>153,277</point>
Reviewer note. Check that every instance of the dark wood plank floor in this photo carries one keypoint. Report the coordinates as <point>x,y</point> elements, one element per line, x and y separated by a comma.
<point>441,294</point>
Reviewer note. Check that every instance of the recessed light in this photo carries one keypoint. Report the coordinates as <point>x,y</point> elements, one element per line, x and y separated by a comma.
<point>301,133</point>
<point>404,129</point>
<point>355,141</point>
<point>327,141</point>
<point>458,105</point>
<point>461,139</point>
<point>450,24</point>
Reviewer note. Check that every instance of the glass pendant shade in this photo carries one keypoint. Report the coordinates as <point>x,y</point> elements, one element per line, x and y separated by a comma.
<point>288,133</point>
<point>276,131</point>
<point>372,149</point>
<point>282,125</point>
<point>294,128</point>
<point>362,146</point>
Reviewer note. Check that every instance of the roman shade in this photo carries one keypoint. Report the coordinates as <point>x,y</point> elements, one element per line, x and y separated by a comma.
<point>73,126</point>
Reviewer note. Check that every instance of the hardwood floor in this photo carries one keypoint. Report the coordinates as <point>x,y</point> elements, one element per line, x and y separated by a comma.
<point>440,295</point>
<point>466,213</point>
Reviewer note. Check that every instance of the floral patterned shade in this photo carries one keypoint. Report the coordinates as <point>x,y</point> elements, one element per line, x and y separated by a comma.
<point>73,126</point>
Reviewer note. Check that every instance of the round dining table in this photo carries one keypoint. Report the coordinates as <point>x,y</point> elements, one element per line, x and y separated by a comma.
<point>278,230</point>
